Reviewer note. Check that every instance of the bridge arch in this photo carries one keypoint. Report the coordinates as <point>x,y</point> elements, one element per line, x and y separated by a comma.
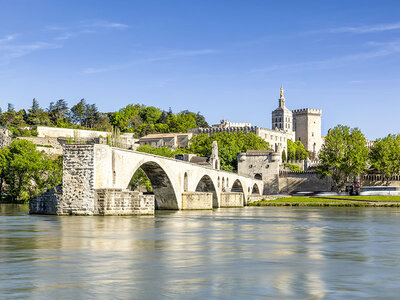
<point>237,187</point>
<point>165,196</point>
<point>206,185</point>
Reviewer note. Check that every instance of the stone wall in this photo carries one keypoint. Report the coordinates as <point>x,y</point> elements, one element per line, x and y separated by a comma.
<point>78,180</point>
<point>197,200</point>
<point>5,137</point>
<point>50,146</point>
<point>48,203</point>
<point>303,182</point>
<point>123,202</point>
<point>56,132</point>
<point>231,200</point>
<point>378,180</point>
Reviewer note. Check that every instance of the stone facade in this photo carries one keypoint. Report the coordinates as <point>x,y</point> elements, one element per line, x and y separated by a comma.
<point>231,199</point>
<point>48,203</point>
<point>123,202</point>
<point>263,165</point>
<point>170,140</point>
<point>307,126</point>
<point>197,200</point>
<point>106,202</point>
<point>275,137</point>
<point>78,179</point>
<point>5,137</point>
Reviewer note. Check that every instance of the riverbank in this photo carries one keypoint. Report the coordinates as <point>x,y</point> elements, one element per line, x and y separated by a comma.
<point>334,201</point>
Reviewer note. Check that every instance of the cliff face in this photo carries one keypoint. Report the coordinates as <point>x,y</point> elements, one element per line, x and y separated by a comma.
<point>5,137</point>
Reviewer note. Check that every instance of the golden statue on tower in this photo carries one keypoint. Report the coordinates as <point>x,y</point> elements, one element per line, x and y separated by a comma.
<point>281,91</point>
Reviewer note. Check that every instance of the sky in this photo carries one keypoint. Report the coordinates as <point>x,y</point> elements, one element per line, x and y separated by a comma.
<point>225,59</point>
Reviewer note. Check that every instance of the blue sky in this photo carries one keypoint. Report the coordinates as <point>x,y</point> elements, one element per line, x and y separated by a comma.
<point>226,59</point>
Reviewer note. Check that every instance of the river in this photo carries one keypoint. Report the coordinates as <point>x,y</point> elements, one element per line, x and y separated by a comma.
<point>252,252</point>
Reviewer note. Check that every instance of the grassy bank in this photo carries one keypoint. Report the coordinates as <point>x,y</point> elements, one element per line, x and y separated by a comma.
<point>369,198</point>
<point>346,202</point>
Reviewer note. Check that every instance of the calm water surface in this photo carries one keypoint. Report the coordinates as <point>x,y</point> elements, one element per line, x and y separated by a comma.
<point>284,253</point>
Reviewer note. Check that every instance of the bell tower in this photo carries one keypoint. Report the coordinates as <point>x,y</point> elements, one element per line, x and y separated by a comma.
<point>282,117</point>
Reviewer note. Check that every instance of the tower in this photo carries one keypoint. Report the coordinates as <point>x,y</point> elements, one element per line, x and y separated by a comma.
<point>282,117</point>
<point>307,126</point>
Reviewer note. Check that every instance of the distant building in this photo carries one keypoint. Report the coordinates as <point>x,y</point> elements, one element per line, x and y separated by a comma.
<point>298,125</point>
<point>263,165</point>
<point>170,140</point>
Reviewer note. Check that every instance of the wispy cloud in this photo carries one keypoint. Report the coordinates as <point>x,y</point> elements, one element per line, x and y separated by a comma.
<point>65,36</point>
<point>9,51</point>
<point>169,55</point>
<point>7,38</point>
<point>361,29</point>
<point>106,24</point>
<point>383,49</point>
<point>84,27</point>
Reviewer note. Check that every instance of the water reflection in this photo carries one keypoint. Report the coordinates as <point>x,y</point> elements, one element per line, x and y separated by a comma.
<point>226,253</point>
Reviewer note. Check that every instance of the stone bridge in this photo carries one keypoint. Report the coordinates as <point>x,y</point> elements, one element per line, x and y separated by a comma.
<point>92,168</point>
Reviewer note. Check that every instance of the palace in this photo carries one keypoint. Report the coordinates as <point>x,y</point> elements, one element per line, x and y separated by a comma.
<point>302,125</point>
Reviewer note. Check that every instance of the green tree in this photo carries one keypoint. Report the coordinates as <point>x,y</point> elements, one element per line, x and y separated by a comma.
<point>58,112</point>
<point>343,154</point>
<point>4,156</point>
<point>296,151</point>
<point>385,156</point>
<point>127,118</point>
<point>78,112</point>
<point>29,171</point>
<point>163,151</point>
<point>182,122</point>
<point>229,146</point>
<point>150,114</point>
<point>140,179</point>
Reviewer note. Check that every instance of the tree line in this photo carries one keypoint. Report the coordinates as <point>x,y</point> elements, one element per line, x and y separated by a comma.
<point>138,119</point>
<point>344,155</point>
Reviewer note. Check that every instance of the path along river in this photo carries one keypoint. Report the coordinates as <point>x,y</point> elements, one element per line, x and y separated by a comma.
<point>253,252</point>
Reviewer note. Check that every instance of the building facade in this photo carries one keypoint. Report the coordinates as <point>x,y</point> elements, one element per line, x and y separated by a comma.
<point>170,140</point>
<point>298,125</point>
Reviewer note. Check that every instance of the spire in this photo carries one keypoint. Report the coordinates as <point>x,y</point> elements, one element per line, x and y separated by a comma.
<point>281,98</point>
